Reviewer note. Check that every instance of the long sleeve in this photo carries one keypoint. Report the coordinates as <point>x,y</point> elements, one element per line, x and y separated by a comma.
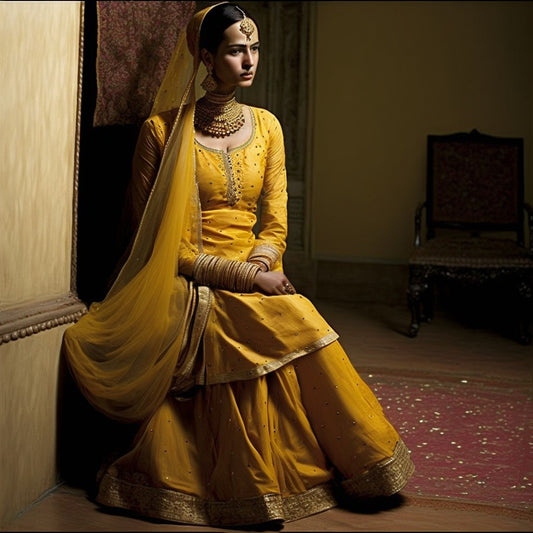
<point>145,165</point>
<point>271,239</point>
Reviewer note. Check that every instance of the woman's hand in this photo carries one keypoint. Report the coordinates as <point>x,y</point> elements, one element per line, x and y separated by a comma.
<point>273,283</point>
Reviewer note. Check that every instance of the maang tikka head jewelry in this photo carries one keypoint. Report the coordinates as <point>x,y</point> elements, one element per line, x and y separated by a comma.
<point>246,27</point>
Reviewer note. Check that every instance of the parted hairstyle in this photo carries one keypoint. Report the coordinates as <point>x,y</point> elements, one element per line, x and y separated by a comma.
<point>215,23</point>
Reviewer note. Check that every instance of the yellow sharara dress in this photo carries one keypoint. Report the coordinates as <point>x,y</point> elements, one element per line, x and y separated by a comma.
<point>280,425</point>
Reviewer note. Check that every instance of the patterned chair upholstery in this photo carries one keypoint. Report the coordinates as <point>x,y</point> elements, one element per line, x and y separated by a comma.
<point>475,216</point>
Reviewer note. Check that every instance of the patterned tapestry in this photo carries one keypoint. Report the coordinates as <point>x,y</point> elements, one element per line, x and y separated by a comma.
<point>135,43</point>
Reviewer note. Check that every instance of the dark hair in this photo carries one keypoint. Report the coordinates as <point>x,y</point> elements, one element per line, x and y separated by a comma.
<point>215,23</point>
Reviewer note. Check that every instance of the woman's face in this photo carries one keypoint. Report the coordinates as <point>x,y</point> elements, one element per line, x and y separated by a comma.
<point>235,62</point>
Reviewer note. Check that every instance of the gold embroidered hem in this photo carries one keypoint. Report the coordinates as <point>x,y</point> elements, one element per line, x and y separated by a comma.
<point>251,335</point>
<point>383,479</point>
<point>167,504</point>
<point>274,364</point>
<point>189,371</point>
<point>247,452</point>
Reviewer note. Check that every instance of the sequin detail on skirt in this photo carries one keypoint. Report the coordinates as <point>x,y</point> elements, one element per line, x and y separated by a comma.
<point>385,478</point>
<point>167,504</point>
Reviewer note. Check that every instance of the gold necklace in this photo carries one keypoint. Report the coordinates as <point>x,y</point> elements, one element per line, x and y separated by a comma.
<point>218,115</point>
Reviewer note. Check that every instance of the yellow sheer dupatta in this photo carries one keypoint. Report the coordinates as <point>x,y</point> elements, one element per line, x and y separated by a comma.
<point>127,351</point>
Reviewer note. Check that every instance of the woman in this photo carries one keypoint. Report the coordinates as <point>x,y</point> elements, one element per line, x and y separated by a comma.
<point>249,409</point>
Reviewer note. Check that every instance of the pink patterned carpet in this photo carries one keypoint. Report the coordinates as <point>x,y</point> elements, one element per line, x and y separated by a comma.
<point>470,440</point>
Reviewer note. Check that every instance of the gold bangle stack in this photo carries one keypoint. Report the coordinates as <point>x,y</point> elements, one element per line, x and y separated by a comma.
<point>221,273</point>
<point>263,265</point>
<point>265,254</point>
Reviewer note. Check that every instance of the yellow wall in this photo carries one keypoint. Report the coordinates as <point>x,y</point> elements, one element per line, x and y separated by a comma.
<point>389,73</point>
<point>39,45</point>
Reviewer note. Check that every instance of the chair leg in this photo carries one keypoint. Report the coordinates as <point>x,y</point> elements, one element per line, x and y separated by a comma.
<point>428,303</point>
<point>414,300</point>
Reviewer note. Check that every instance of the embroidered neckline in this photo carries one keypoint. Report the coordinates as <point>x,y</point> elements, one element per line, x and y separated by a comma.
<point>236,148</point>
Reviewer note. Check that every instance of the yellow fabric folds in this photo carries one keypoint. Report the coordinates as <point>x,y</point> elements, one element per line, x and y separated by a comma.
<point>124,351</point>
<point>274,450</point>
<point>122,365</point>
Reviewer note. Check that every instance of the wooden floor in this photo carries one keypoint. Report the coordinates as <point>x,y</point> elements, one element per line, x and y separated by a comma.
<point>374,336</point>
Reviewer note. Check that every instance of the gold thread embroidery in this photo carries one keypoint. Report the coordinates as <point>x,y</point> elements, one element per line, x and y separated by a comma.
<point>274,364</point>
<point>168,504</point>
<point>234,189</point>
<point>189,369</point>
<point>384,478</point>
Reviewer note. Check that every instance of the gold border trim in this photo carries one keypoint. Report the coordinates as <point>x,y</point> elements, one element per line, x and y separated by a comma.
<point>385,478</point>
<point>273,365</point>
<point>184,377</point>
<point>168,504</point>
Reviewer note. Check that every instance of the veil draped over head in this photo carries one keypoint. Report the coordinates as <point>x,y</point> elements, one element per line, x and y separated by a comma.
<point>125,351</point>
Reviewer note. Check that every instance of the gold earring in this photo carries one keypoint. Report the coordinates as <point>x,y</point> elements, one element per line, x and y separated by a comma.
<point>209,84</point>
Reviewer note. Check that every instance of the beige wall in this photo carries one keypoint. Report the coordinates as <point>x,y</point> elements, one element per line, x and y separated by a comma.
<point>39,45</point>
<point>389,73</point>
<point>28,417</point>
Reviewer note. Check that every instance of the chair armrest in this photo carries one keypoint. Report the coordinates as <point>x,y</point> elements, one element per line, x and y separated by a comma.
<point>418,222</point>
<point>529,211</point>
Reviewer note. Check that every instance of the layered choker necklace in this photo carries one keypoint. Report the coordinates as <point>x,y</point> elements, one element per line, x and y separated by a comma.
<point>218,115</point>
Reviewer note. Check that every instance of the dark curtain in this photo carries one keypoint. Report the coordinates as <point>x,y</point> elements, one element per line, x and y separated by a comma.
<point>127,46</point>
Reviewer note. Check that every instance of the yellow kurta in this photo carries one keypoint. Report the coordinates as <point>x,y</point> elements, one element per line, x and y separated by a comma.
<point>281,423</point>
<point>248,335</point>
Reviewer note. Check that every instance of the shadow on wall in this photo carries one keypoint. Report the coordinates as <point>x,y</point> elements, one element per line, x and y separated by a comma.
<point>87,440</point>
<point>104,171</point>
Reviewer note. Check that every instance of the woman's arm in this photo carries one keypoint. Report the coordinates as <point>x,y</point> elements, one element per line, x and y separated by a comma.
<point>145,165</point>
<point>271,239</point>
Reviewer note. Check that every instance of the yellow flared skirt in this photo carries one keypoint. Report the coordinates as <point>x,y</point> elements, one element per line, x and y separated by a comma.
<point>281,446</point>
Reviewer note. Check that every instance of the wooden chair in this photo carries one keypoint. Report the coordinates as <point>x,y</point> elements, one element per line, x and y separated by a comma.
<point>474,211</point>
